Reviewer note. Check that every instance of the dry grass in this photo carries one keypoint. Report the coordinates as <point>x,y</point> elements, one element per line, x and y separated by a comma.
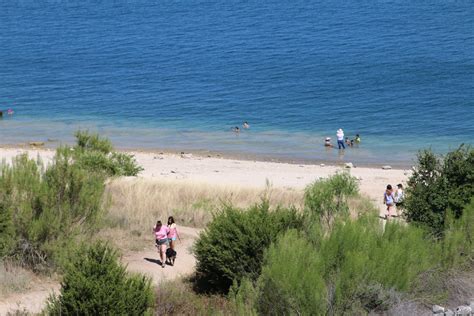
<point>178,298</point>
<point>136,204</point>
<point>13,279</point>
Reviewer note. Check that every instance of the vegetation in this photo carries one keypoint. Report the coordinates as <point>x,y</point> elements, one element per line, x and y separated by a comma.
<point>233,244</point>
<point>97,154</point>
<point>439,187</point>
<point>95,283</point>
<point>326,199</point>
<point>43,209</point>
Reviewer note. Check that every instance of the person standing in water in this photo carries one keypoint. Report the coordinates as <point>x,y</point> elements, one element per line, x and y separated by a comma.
<point>173,232</point>
<point>340,139</point>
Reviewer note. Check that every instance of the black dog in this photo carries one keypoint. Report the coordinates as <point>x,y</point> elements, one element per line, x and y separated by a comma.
<point>170,256</point>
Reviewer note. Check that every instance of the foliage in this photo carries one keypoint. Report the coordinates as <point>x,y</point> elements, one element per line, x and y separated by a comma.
<point>233,244</point>
<point>95,283</point>
<point>439,187</point>
<point>43,211</point>
<point>327,198</point>
<point>92,142</point>
<point>354,269</point>
<point>97,154</point>
<point>290,283</point>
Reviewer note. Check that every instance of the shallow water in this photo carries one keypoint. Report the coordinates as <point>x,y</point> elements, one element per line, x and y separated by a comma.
<point>180,74</point>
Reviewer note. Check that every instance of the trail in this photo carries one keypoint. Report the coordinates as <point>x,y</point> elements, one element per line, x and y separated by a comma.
<point>145,262</point>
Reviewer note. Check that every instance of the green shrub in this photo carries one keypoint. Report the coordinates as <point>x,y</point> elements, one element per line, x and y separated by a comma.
<point>97,155</point>
<point>92,142</point>
<point>325,199</point>
<point>7,230</point>
<point>233,244</point>
<point>440,186</point>
<point>47,208</point>
<point>354,269</point>
<point>291,282</point>
<point>95,283</point>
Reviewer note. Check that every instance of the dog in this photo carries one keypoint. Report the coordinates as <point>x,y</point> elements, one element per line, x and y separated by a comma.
<point>170,256</point>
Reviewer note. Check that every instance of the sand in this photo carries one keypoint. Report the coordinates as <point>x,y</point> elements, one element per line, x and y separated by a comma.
<point>248,173</point>
<point>207,170</point>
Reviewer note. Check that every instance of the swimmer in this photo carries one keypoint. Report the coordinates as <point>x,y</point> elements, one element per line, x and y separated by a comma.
<point>10,112</point>
<point>327,142</point>
<point>348,142</point>
<point>246,125</point>
<point>236,129</point>
<point>357,139</point>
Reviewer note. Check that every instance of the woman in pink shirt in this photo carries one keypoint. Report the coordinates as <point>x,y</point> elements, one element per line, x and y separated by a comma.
<point>161,236</point>
<point>173,234</point>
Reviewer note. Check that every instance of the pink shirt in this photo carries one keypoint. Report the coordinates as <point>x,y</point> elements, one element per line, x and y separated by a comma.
<point>172,231</point>
<point>162,233</point>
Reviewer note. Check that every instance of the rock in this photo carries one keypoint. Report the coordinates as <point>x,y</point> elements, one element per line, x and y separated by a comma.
<point>463,310</point>
<point>437,309</point>
<point>172,171</point>
<point>183,155</point>
<point>448,312</point>
<point>36,144</point>
<point>348,165</point>
<point>322,165</point>
<point>359,178</point>
<point>472,305</point>
<point>387,167</point>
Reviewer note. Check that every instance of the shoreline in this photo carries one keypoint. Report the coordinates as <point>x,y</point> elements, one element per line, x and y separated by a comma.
<point>228,155</point>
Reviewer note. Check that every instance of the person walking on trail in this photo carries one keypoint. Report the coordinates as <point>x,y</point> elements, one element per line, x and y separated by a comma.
<point>340,139</point>
<point>388,200</point>
<point>161,239</point>
<point>173,232</point>
<point>399,197</point>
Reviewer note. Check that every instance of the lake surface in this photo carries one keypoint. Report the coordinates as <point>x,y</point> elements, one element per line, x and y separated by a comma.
<point>180,74</point>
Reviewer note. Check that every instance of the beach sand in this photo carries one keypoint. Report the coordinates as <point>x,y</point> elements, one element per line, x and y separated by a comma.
<point>217,170</point>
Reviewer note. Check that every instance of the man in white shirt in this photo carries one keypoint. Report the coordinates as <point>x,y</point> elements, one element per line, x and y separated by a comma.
<point>340,139</point>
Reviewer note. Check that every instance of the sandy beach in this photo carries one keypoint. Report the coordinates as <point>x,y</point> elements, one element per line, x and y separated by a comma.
<point>218,170</point>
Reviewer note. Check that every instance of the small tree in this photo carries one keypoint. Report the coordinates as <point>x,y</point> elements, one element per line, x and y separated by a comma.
<point>439,186</point>
<point>95,283</point>
<point>325,199</point>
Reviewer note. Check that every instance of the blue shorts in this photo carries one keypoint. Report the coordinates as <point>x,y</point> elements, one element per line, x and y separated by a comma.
<point>171,239</point>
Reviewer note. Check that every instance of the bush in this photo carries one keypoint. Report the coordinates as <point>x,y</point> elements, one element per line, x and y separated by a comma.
<point>95,283</point>
<point>440,186</point>
<point>291,282</point>
<point>97,154</point>
<point>354,269</point>
<point>46,210</point>
<point>233,244</point>
<point>325,199</point>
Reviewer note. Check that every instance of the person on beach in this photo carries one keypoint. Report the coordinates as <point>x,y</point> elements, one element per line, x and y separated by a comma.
<point>327,142</point>
<point>340,139</point>
<point>388,200</point>
<point>173,232</point>
<point>246,125</point>
<point>161,238</point>
<point>399,197</point>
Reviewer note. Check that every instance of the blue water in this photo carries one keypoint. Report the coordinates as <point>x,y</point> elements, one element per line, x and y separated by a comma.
<point>178,74</point>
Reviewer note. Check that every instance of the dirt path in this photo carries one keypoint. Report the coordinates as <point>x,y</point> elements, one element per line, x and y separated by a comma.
<point>145,262</point>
